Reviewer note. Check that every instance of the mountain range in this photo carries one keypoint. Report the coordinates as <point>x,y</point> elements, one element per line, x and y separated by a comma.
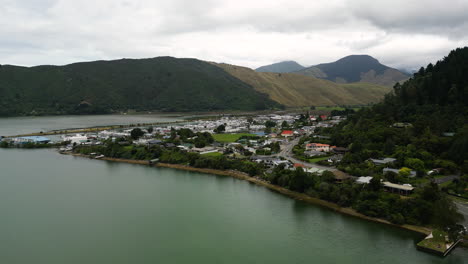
<point>350,69</point>
<point>172,84</point>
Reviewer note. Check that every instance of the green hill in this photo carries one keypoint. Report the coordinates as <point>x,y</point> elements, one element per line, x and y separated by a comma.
<point>281,67</point>
<point>356,68</point>
<point>432,107</point>
<point>163,83</point>
<point>298,90</point>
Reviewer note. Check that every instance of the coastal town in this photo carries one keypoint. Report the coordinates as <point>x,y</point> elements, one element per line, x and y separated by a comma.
<point>270,140</point>
<point>289,150</point>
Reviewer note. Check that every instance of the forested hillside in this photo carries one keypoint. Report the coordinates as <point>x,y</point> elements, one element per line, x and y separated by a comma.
<point>163,83</point>
<point>424,124</point>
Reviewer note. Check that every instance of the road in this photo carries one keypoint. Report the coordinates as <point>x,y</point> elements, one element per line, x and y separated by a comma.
<point>463,209</point>
<point>446,179</point>
<point>286,152</point>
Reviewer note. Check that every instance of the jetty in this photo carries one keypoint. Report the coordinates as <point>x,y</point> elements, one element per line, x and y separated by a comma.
<point>437,242</point>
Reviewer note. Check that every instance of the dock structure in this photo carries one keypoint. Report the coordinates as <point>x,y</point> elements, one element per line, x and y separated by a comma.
<point>437,243</point>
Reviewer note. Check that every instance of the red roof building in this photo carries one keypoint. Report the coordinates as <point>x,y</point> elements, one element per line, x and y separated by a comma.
<point>287,133</point>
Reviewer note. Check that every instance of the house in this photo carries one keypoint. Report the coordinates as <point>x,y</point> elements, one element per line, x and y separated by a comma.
<point>384,161</point>
<point>318,147</point>
<point>404,189</point>
<point>402,125</point>
<point>287,133</point>
<point>32,139</point>
<point>340,176</point>
<point>340,150</point>
<point>76,139</point>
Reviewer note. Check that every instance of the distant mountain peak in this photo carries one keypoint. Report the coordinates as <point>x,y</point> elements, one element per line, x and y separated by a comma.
<point>356,68</point>
<point>281,67</point>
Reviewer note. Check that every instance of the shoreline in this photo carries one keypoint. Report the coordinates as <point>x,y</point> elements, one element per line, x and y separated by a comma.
<point>93,129</point>
<point>292,194</point>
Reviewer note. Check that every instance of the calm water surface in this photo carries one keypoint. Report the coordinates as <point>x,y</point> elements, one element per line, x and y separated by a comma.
<point>57,209</point>
<point>23,125</point>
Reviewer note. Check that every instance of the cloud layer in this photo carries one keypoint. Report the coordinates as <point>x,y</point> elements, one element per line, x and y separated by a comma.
<point>403,34</point>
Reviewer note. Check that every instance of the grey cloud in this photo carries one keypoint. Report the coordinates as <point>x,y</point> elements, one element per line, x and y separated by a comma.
<point>445,18</point>
<point>243,32</point>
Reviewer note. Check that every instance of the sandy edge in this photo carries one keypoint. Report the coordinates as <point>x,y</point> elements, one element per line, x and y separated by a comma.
<point>292,194</point>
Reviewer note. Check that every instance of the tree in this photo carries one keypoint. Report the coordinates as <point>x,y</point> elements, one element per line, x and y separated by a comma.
<point>136,133</point>
<point>416,164</point>
<point>375,184</point>
<point>404,172</point>
<point>220,129</point>
<point>456,232</point>
<point>298,180</point>
<point>284,125</point>
<point>150,129</point>
<point>270,124</point>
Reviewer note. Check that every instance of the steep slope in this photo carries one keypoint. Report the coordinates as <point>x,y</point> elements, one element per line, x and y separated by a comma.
<point>281,67</point>
<point>162,83</point>
<point>298,90</point>
<point>356,68</point>
<point>434,101</point>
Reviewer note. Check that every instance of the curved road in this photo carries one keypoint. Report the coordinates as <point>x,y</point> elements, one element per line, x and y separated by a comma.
<point>286,152</point>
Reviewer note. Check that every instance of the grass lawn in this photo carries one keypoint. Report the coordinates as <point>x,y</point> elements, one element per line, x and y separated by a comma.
<point>223,138</point>
<point>212,154</point>
<point>314,160</point>
<point>437,242</point>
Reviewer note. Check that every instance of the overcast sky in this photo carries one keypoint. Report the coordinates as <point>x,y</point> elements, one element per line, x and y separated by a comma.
<point>399,33</point>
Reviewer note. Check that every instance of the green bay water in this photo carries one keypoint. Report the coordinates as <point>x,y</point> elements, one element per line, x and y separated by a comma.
<point>33,124</point>
<point>63,209</point>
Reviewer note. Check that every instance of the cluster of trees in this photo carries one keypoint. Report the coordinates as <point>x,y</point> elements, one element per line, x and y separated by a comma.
<point>428,206</point>
<point>199,139</point>
<point>171,155</point>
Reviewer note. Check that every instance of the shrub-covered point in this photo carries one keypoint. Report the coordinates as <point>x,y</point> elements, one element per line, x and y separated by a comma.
<point>428,206</point>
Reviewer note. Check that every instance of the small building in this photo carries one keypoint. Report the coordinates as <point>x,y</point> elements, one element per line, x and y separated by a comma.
<point>403,189</point>
<point>402,125</point>
<point>318,147</point>
<point>340,176</point>
<point>76,139</point>
<point>31,139</point>
<point>385,170</point>
<point>340,150</point>
<point>287,133</point>
<point>383,161</point>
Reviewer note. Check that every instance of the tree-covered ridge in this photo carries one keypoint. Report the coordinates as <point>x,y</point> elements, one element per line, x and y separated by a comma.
<point>163,83</point>
<point>423,124</point>
<point>445,83</point>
